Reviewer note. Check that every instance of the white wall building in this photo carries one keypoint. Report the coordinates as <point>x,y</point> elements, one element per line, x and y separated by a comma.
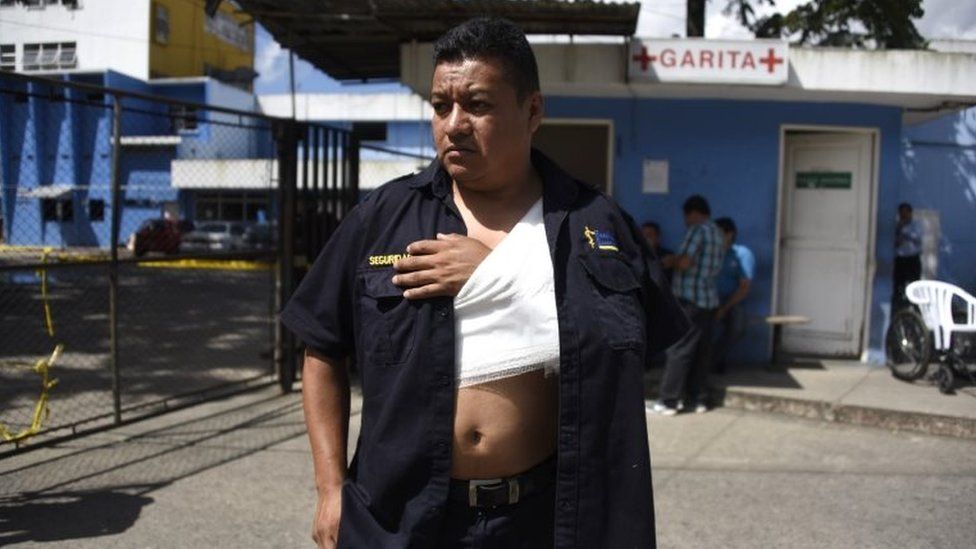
<point>57,35</point>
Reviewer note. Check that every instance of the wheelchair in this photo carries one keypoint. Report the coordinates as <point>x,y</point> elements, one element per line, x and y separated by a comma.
<point>940,327</point>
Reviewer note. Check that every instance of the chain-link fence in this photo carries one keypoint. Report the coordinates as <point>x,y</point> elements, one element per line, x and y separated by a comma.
<point>141,257</point>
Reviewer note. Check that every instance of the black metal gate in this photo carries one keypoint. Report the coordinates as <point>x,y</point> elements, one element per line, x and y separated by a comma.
<point>146,247</point>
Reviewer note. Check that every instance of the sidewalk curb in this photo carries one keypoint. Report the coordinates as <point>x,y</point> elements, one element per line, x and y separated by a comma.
<point>892,420</point>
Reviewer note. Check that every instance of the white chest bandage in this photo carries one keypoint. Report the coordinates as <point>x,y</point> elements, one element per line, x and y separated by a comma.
<point>505,315</point>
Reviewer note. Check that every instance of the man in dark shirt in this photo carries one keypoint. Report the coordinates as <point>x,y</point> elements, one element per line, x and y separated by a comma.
<point>908,253</point>
<point>436,465</point>
<point>652,232</point>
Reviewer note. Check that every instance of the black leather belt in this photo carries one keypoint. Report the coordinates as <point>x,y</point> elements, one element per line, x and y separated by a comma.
<point>492,492</point>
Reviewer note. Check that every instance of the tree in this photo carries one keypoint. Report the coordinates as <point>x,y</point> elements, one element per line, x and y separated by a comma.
<point>881,24</point>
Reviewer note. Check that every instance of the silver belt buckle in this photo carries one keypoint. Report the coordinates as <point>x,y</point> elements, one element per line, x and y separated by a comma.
<point>513,489</point>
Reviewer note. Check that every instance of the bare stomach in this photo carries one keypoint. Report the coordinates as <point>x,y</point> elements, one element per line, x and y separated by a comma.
<point>503,427</point>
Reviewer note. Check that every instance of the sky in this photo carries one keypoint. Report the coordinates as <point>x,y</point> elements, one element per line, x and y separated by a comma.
<point>658,18</point>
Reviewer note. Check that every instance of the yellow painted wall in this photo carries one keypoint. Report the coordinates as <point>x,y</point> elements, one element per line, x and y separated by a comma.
<point>191,46</point>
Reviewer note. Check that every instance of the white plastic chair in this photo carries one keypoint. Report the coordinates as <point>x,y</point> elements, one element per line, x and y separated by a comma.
<point>934,300</point>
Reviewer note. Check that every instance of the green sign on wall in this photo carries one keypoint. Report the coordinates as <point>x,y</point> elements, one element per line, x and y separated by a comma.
<point>823,180</point>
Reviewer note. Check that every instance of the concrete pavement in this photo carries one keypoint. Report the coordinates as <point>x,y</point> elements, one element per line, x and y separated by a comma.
<point>237,473</point>
<point>853,393</point>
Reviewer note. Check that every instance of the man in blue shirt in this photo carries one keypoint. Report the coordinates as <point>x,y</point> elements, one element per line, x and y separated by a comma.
<point>696,267</point>
<point>908,250</point>
<point>734,282</point>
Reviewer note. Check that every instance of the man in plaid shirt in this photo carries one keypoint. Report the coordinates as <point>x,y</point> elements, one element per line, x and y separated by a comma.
<point>696,268</point>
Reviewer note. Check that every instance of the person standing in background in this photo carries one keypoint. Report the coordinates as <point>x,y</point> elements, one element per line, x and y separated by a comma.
<point>652,233</point>
<point>696,267</point>
<point>734,282</point>
<point>908,250</point>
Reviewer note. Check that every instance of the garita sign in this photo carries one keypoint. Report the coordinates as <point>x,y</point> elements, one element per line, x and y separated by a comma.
<point>763,62</point>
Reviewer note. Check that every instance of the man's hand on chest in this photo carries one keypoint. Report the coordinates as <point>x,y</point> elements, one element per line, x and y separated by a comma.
<point>437,268</point>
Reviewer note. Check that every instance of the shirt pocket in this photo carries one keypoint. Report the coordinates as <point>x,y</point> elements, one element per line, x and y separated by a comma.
<point>617,296</point>
<point>388,320</point>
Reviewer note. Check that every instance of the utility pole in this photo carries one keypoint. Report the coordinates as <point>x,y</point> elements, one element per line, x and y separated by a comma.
<point>695,19</point>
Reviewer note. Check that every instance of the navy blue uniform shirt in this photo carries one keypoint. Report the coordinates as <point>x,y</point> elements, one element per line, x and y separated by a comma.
<point>614,310</point>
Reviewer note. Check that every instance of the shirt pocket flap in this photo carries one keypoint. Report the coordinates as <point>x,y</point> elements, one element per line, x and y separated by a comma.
<point>610,271</point>
<point>379,285</point>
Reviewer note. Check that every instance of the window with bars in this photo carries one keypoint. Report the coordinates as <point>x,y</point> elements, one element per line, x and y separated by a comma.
<point>160,23</point>
<point>32,56</point>
<point>8,57</point>
<point>50,55</point>
<point>67,56</point>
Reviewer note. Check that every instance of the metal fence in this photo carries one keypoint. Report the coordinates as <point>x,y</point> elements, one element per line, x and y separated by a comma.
<point>146,245</point>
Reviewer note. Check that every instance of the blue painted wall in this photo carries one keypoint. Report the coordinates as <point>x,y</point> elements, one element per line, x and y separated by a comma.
<point>728,151</point>
<point>52,142</point>
<point>940,174</point>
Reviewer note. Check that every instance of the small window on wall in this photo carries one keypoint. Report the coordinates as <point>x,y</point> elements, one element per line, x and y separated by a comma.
<point>49,55</point>
<point>66,210</point>
<point>96,210</point>
<point>182,118</point>
<point>160,24</point>
<point>8,57</point>
<point>49,209</point>
<point>32,57</point>
<point>53,209</point>
<point>67,56</point>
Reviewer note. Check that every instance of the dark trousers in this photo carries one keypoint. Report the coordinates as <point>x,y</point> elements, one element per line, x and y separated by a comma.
<point>689,360</point>
<point>730,330</point>
<point>527,524</point>
<point>907,270</point>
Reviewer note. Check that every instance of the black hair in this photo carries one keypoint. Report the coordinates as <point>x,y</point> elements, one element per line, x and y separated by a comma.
<point>905,205</point>
<point>653,225</point>
<point>727,225</point>
<point>492,38</point>
<point>696,203</point>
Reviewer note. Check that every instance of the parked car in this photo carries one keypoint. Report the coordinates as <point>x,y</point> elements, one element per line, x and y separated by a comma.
<point>213,236</point>
<point>156,235</point>
<point>259,236</point>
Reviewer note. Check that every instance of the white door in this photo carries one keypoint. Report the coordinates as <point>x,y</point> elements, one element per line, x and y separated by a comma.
<point>824,248</point>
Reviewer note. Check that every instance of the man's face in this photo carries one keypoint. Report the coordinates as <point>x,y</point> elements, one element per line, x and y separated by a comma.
<point>904,215</point>
<point>481,129</point>
<point>650,233</point>
<point>728,237</point>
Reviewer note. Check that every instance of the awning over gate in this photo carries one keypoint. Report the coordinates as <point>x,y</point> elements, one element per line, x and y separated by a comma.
<point>357,40</point>
<point>262,174</point>
<point>46,191</point>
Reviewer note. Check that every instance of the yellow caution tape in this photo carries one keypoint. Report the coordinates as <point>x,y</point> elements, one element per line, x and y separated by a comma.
<point>42,367</point>
<point>60,255</point>
<point>41,410</point>
<point>228,265</point>
<point>42,273</point>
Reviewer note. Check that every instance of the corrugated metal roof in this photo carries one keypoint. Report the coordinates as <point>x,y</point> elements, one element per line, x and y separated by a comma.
<point>360,39</point>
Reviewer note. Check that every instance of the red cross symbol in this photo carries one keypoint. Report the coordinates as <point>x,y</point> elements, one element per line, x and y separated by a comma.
<point>644,59</point>
<point>771,60</point>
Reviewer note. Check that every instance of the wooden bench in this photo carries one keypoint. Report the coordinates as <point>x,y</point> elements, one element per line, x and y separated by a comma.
<point>777,322</point>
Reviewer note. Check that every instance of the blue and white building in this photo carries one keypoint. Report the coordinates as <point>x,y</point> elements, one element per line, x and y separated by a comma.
<point>809,150</point>
<point>56,154</point>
